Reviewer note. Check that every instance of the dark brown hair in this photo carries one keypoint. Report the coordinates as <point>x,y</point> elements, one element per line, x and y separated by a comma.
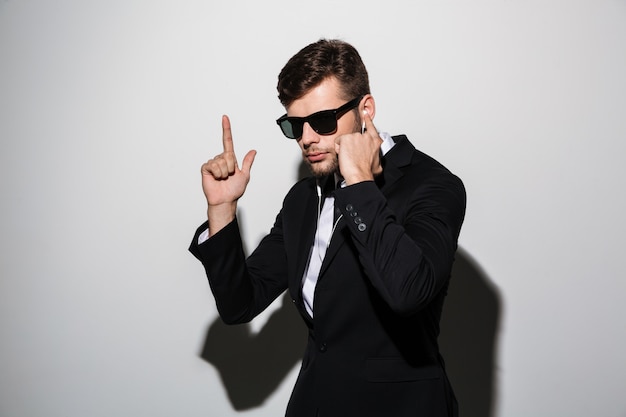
<point>318,61</point>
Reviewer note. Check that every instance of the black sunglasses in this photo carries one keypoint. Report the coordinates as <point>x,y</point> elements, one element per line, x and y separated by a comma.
<point>323,122</point>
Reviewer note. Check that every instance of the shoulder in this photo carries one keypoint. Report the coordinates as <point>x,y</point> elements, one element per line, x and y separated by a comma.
<point>300,190</point>
<point>405,155</point>
<point>420,169</point>
<point>305,185</point>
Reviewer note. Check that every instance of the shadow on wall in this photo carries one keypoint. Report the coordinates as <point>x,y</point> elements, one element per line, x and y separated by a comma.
<point>468,340</point>
<point>253,365</point>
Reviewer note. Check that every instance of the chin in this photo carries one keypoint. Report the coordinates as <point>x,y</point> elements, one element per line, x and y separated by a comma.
<point>320,170</point>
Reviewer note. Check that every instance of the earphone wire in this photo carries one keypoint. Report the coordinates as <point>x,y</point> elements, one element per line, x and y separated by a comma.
<point>319,221</point>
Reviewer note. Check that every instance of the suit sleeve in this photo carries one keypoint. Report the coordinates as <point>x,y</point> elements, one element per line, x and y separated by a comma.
<point>407,256</point>
<point>242,287</point>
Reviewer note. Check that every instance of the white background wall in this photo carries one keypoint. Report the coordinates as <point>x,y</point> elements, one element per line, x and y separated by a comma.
<point>107,110</point>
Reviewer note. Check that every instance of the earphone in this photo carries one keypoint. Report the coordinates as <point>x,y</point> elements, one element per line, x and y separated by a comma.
<point>363,124</point>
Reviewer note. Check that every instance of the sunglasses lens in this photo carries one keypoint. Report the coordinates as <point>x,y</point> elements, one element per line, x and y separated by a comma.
<point>324,124</point>
<point>293,130</point>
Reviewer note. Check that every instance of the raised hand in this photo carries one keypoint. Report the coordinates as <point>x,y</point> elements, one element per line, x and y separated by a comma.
<point>223,182</point>
<point>359,153</point>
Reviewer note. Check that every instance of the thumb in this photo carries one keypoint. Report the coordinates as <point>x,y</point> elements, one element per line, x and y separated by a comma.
<point>246,164</point>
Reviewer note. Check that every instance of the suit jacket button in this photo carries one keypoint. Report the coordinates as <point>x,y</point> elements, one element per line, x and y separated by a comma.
<point>349,207</point>
<point>362,227</point>
<point>323,347</point>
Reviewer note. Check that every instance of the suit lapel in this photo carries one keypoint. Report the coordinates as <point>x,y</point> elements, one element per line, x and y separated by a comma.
<point>397,158</point>
<point>337,240</point>
<point>307,219</point>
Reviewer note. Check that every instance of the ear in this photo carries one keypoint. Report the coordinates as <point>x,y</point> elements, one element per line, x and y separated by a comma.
<point>368,104</point>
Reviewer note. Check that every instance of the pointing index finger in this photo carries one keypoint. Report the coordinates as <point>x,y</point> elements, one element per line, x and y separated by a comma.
<point>227,136</point>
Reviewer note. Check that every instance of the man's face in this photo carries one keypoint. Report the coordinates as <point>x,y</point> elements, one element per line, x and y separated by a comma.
<point>318,151</point>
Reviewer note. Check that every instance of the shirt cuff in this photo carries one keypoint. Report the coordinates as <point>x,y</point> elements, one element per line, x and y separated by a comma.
<point>204,236</point>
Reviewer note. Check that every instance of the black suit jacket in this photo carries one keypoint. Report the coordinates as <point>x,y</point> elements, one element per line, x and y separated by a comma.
<point>372,347</point>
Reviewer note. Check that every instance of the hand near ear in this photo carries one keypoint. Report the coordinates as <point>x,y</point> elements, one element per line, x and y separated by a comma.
<point>359,153</point>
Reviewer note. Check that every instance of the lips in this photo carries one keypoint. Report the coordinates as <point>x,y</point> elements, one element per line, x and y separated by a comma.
<point>316,156</point>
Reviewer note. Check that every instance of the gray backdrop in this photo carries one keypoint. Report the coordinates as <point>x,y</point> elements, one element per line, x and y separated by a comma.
<point>108,109</point>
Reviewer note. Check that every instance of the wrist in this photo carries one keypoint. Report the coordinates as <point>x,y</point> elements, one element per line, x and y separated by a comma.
<point>219,215</point>
<point>358,177</point>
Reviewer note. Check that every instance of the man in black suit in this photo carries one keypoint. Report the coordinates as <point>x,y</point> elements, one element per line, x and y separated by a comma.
<point>365,247</point>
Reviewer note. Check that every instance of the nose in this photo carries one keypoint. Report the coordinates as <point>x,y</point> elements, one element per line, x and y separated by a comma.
<point>309,135</point>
